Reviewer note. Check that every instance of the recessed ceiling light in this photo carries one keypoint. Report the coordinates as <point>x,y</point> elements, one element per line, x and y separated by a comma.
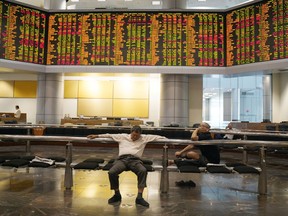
<point>101,0</point>
<point>156,2</point>
<point>74,0</point>
<point>202,0</point>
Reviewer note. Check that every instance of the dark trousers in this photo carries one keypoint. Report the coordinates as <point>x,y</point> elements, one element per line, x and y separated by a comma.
<point>125,163</point>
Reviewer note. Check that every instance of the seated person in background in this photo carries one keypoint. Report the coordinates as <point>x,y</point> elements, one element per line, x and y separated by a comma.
<point>209,153</point>
<point>131,147</point>
<point>231,136</point>
<point>17,113</point>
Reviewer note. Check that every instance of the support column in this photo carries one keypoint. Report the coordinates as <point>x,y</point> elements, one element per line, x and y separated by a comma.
<point>267,105</point>
<point>235,96</point>
<point>50,98</point>
<point>174,100</point>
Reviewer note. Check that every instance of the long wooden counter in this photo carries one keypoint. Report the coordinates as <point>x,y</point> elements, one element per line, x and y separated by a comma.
<point>260,126</point>
<point>92,121</point>
<point>9,119</point>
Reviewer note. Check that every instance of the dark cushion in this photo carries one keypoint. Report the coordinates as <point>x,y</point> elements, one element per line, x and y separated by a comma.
<point>96,160</point>
<point>218,169</point>
<point>9,157</point>
<point>235,164</point>
<point>39,164</point>
<point>246,169</point>
<point>16,163</point>
<point>189,169</point>
<point>281,151</point>
<point>147,166</point>
<point>187,162</point>
<point>2,160</point>
<point>86,165</point>
<point>56,158</point>
<point>28,157</point>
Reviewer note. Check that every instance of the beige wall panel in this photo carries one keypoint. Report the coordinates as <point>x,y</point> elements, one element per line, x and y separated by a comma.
<point>71,88</point>
<point>25,89</point>
<point>130,108</point>
<point>131,89</point>
<point>95,89</point>
<point>94,107</point>
<point>6,89</point>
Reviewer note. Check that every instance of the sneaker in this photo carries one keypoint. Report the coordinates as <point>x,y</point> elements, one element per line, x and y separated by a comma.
<point>142,202</point>
<point>114,199</point>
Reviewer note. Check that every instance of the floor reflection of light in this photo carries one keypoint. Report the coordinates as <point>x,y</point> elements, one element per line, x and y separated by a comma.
<point>90,191</point>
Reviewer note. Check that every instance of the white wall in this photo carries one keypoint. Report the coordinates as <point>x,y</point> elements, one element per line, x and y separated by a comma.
<point>154,99</point>
<point>26,105</point>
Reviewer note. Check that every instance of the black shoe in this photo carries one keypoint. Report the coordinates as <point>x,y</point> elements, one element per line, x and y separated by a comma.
<point>142,202</point>
<point>114,199</point>
<point>185,183</point>
<point>180,183</point>
<point>191,183</point>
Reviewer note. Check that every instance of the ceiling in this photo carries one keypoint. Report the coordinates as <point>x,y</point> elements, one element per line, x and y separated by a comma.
<point>198,5</point>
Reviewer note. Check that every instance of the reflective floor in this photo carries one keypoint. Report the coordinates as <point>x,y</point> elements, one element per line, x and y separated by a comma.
<point>40,191</point>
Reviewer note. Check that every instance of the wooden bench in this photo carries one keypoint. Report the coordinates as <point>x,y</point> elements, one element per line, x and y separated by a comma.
<point>164,184</point>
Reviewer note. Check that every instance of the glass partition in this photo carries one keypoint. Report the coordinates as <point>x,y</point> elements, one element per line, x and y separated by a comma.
<point>233,98</point>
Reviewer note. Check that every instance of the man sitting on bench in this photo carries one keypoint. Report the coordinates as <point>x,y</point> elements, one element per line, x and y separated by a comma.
<point>131,147</point>
<point>209,153</point>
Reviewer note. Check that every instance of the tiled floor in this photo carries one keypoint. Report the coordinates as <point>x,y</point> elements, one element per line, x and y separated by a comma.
<point>40,191</point>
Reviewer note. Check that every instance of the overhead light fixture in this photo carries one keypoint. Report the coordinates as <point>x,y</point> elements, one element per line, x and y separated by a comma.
<point>101,0</point>
<point>74,0</point>
<point>245,2</point>
<point>71,7</point>
<point>156,2</point>
<point>201,0</point>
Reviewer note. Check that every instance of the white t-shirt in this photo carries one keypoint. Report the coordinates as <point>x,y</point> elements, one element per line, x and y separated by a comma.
<point>17,114</point>
<point>128,146</point>
<point>230,136</point>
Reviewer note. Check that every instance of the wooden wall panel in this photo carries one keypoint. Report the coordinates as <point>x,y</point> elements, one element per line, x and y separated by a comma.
<point>95,89</point>
<point>95,107</point>
<point>25,89</point>
<point>131,108</point>
<point>71,88</point>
